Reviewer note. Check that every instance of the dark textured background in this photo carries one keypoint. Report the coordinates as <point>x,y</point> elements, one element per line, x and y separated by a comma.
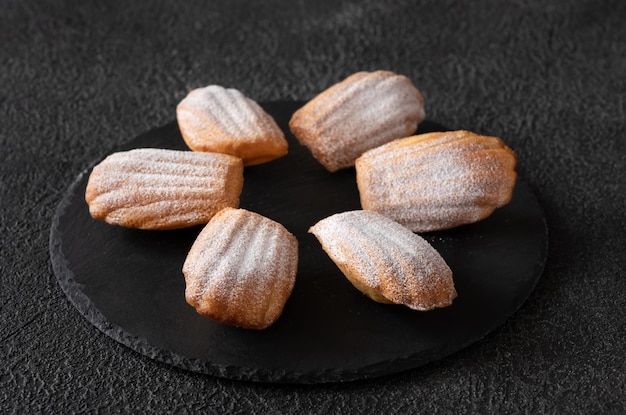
<point>78,78</point>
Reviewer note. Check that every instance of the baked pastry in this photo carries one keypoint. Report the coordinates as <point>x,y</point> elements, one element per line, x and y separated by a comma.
<point>437,181</point>
<point>241,269</point>
<point>363,111</point>
<point>153,188</point>
<point>223,120</point>
<point>385,260</point>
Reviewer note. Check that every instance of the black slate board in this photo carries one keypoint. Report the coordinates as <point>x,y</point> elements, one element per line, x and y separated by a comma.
<point>129,284</point>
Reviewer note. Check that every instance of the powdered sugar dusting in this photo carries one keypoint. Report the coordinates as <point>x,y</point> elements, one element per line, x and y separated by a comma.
<point>437,182</point>
<point>241,269</point>
<point>163,189</point>
<point>224,120</point>
<point>361,112</point>
<point>387,258</point>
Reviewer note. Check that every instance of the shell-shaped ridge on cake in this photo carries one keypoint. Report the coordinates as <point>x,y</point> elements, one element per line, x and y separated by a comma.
<point>224,120</point>
<point>437,181</point>
<point>385,260</point>
<point>151,188</point>
<point>241,269</point>
<point>365,110</point>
